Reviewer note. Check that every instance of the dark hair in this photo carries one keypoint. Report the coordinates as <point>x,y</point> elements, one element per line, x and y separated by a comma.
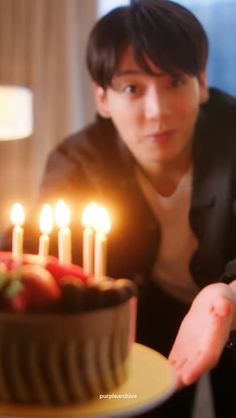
<point>161,31</point>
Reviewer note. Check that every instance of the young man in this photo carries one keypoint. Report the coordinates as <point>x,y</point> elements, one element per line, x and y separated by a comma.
<point>162,156</point>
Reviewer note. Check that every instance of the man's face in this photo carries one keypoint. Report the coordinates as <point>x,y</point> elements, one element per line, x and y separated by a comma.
<point>155,115</point>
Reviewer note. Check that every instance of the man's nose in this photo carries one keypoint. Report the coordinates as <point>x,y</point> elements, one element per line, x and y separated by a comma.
<point>156,103</point>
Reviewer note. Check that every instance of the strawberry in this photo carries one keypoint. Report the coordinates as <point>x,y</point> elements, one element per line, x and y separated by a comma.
<point>12,263</point>
<point>12,296</point>
<point>60,270</point>
<point>51,264</point>
<point>39,285</point>
<point>31,282</point>
<point>9,261</point>
<point>31,287</point>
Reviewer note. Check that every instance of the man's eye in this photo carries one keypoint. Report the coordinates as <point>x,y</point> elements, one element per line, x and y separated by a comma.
<point>131,88</point>
<point>177,81</point>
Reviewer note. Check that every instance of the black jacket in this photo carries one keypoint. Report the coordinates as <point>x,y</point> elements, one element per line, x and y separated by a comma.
<point>95,164</point>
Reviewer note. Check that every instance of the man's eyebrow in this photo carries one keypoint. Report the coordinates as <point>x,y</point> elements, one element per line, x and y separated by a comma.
<point>120,73</point>
<point>130,71</point>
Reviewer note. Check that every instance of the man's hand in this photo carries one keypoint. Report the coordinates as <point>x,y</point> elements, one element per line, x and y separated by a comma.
<point>203,333</point>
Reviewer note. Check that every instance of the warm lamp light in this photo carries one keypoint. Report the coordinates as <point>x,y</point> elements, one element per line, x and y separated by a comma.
<point>16,112</point>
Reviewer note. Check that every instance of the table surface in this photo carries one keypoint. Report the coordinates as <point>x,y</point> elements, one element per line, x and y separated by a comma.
<point>150,382</point>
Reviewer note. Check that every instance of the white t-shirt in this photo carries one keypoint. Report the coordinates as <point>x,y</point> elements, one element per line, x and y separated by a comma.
<point>178,243</point>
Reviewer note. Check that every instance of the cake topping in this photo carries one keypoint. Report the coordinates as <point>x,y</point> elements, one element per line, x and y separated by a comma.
<point>35,284</point>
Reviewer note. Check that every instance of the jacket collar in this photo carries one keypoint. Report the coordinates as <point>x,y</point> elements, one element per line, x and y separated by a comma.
<point>204,175</point>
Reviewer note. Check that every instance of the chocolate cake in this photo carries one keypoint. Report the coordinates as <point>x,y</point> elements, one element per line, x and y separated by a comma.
<point>64,338</point>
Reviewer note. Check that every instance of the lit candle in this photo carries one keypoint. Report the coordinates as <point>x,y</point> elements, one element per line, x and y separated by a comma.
<point>45,225</point>
<point>64,233</point>
<point>87,220</point>
<point>17,219</point>
<point>102,225</point>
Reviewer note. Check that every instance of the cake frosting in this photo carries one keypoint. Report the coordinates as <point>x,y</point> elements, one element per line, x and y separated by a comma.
<point>64,337</point>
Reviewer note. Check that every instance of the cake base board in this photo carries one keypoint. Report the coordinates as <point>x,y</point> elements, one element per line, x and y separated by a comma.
<point>151,379</point>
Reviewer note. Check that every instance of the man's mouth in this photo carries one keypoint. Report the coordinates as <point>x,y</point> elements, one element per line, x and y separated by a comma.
<point>161,137</point>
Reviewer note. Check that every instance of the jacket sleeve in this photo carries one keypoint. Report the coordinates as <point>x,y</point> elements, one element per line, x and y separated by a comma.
<point>230,272</point>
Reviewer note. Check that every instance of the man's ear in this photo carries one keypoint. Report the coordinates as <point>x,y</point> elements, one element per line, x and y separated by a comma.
<point>101,100</point>
<point>204,90</point>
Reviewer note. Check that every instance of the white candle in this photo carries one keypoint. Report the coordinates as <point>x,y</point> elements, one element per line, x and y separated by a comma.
<point>64,233</point>
<point>88,237</point>
<point>43,245</point>
<point>45,224</point>
<point>88,252</point>
<point>102,225</point>
<point>17,218</point>
<point>100,257</point>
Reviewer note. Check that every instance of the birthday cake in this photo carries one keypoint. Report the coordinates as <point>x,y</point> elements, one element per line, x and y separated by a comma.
<point>64,337</point>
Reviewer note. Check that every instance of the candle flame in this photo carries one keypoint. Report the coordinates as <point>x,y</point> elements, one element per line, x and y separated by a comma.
<point>17,214</point>
<point>102,220</point>
<point>46,219</point>
<point>89,214</point>
<point>62,214</point>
